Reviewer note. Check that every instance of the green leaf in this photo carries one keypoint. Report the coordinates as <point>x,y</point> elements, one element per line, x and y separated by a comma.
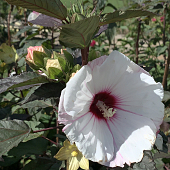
<point>11,134</point>
<point>119,16</point>
<point>34,126</point>
<point>161,155</point>
<point>79,34</point>
<point>45,91</point>
<point>35,146</point>
<point>161,50</point>
<point>8,55</point>
<point>54,73</point>
<point>53,8</point>
<point>38,58</point>
<point>69,57</point>
<point>147,162</point>
<point>63,64</point>
<point>76,67</point>
<point>61,61</point>
<point>43,164</point>
<point>110,32</point>
<point>39,103</point>
<point>47,51</point>
<point>5,112</point>
<point>24,29</point>
<point>24,79</point>
<point>93,54</point>
<point>159,164</point>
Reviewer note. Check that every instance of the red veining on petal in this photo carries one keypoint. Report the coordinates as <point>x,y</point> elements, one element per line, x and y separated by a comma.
<point>108,99</point>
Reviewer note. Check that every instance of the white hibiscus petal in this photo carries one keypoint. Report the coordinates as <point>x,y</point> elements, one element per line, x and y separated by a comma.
<point>131,137</point>
<point>97,62</point>
<point>77,97</point>
<point>110,71</point>
<point>137,96</point>
<point>63,117</point>
<point>91,139</point>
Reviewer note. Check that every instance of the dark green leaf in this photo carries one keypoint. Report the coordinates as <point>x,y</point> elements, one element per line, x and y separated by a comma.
<point>79,34</point>
<point>35,146</point>
<point>43,164</point>
<point>47,51</point>
<point>69,57</point>
<point>25,79</point>
<point>4,112</point>
<point>53,8</point>
<point>34,126</point>
<point>119,16</point>
<point>38,58</point>
<point>45,91</point>
<point>36,103</point>
<point>147,162</point>
<point>11,134</point>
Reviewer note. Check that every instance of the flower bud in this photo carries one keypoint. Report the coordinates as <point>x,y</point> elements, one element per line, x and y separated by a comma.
<point>53,63</point>
<point>30,50</point>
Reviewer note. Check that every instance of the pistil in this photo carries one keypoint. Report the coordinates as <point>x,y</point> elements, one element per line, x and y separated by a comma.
<point>106,111</point>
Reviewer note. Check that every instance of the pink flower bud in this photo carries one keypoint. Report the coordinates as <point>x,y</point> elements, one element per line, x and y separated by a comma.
<point>30,50</point>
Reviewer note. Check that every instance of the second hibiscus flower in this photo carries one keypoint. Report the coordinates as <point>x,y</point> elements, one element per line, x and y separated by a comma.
<point>112,110</point>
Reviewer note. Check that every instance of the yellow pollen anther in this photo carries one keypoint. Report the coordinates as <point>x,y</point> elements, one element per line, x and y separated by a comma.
<point>74,153</point>
<point>106,110</point>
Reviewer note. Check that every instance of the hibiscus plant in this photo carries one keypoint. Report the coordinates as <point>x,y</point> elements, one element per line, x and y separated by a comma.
<point>73,108</point>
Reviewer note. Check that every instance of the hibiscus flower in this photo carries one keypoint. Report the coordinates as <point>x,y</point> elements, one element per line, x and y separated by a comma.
<point>112,110</point>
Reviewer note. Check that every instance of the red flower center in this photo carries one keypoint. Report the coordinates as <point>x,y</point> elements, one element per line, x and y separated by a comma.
<point>106,100</point>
